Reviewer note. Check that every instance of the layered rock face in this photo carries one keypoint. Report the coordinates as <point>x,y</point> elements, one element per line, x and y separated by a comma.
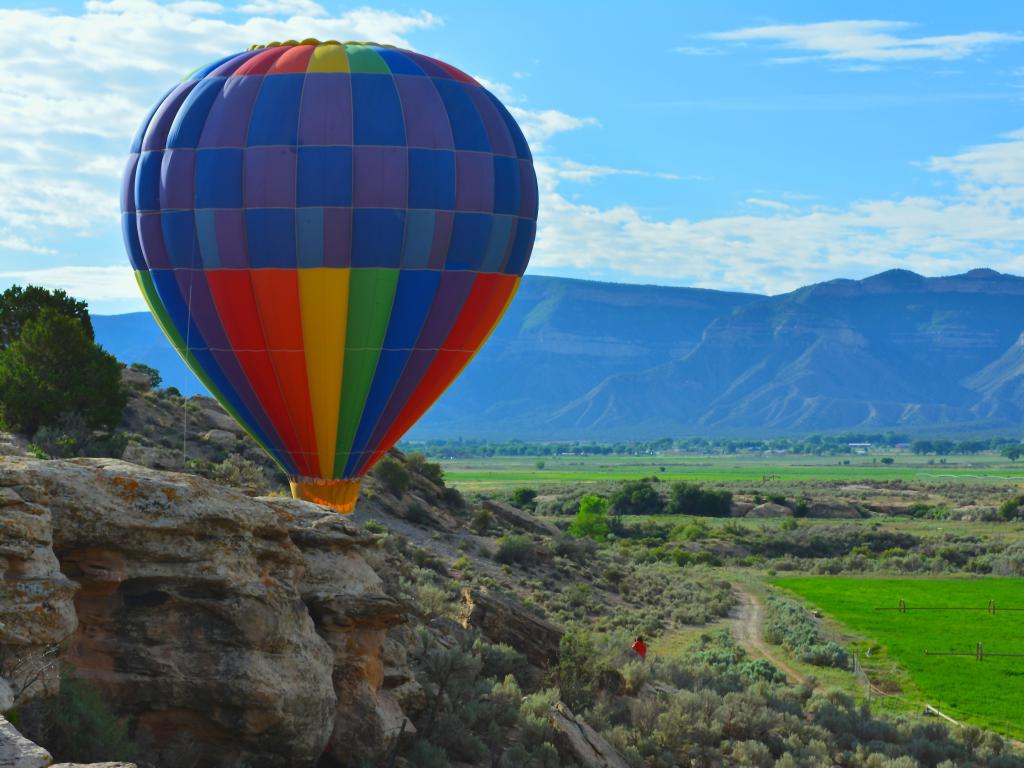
<point>18,752</point>
<point>589,748</point>
<point>518,518</point>
<point>36,608</point>
<point>503,619</point>
<point>235,631</point>
<point>346,600</point>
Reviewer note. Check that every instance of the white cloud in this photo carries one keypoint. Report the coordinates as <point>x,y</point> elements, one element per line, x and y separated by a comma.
<point>14,243</point>
<point>860,68</point>
<point>26,149</point>
<point>197,7</point>
<point>103,165</point>
<point>74,87</point>
<point>699,50</point>
<point>775,205</point>
<point>34,197</point>
<point>570,170</point>
<point>980,224</point>
<point>70,98</point>
<point>501,90</point>
<point>864,41</point>
<point>540,125</point>
<point>89,283</point>
<point>283,8</point>
<point>1001,163</point>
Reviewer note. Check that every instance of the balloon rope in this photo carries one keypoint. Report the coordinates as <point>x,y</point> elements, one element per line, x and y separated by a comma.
<point>188,333</point>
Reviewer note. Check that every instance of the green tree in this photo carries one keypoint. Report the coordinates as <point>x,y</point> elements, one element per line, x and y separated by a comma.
<point>53,368</point>
<point>524,498</point>
<point>417,462</point>
<point>1012,452</point>
<point>392,475</point>
<point>155,379</point>
<point>19,305</point>
<point>1011,508</point>
<point>692,499</point>
<point>515,548</point>
<point>591,519</point>
<point>577,671</point>
<point>637,497</point>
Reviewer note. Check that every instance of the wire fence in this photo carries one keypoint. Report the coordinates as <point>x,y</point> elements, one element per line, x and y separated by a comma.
<point>871,690</point>
<point>991,608</point>
<point>979,653</point>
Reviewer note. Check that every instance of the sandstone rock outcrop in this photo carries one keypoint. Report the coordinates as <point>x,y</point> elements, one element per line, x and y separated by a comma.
<point>503,619</point>
<point>741,508</point>
<point>586,746</point>
<point>834,509</point>
<point>517,518</point>
<point>13,445</point>
<point>352,613</point>
<point>157,421</point>
<point>18,752</point>
<point>399,680</point>
<point>770,509</point>
<point>234,630</point>
<point>36,609</point>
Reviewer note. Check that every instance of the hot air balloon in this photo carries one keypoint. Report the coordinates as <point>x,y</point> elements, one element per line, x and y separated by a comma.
<point>327,233</point>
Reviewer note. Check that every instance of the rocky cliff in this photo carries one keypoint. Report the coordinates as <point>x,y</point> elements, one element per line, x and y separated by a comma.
<point>233,630</point>
<point>893,350</point>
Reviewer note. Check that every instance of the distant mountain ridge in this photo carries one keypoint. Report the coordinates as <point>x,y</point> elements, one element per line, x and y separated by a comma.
<point>575,359</point>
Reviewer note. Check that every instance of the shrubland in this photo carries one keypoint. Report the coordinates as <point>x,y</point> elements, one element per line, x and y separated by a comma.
<point>642,556</point>
<point>789,624</point>
<point>710,703</point>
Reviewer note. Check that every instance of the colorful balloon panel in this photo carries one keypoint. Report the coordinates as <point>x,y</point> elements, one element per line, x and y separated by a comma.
<point>327,233</point>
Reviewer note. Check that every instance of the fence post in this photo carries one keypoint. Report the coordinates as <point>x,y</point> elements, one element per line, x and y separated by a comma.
<point>862,677</point>
<point>980,654</point>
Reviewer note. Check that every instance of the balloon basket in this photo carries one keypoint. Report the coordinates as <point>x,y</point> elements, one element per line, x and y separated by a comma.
<point>337,494</point>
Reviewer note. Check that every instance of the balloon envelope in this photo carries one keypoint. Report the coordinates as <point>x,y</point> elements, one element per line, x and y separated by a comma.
<point>327,233</point>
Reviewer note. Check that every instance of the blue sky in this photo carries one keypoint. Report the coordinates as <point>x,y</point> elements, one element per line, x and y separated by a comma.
<point>744,146</point>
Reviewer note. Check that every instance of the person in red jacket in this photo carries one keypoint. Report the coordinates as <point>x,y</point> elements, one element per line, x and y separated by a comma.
<point>640,647</point>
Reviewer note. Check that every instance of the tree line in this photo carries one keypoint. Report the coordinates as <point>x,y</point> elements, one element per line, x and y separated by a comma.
<point>817,445</point>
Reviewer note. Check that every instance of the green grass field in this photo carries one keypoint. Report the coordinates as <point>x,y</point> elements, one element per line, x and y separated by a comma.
<point>500,473</point>
<point>988,693</point>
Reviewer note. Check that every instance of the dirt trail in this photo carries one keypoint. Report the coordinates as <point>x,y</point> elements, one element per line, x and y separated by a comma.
<point>748,620</point>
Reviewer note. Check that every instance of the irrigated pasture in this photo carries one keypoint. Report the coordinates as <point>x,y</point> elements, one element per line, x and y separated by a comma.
<point>945,616</point>
<point>504,472</point>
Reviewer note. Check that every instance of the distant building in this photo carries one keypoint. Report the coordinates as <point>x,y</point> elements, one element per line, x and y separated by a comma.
<point>860,447</point>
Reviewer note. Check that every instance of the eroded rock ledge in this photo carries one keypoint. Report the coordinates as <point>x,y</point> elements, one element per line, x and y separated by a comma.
<point>234,630</point>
